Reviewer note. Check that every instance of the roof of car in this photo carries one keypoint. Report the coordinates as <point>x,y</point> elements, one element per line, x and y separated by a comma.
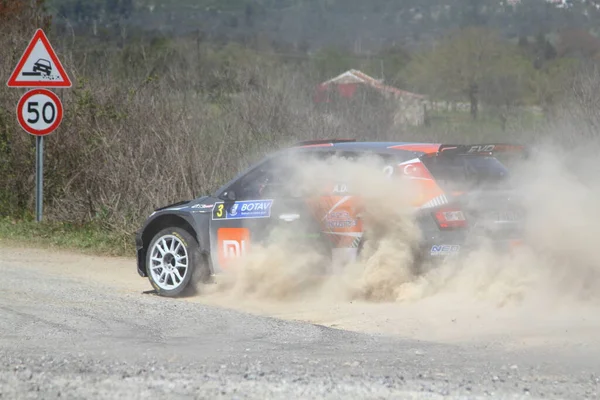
<point>384,147</point>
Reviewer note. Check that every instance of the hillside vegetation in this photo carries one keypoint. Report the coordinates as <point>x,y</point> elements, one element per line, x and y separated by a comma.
<point>166,106</point>
<point>310,24</point>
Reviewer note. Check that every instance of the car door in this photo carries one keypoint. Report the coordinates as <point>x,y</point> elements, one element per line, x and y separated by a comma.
<point>258,205</point>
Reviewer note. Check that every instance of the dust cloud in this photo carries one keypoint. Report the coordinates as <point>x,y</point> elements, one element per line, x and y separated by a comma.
<point>548,285</point>
<point>286,268</point>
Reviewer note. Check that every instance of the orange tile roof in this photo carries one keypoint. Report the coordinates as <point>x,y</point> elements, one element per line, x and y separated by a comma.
<point>356,76</point>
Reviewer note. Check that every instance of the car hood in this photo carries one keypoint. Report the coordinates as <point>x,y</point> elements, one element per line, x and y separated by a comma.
<point>198,204</point>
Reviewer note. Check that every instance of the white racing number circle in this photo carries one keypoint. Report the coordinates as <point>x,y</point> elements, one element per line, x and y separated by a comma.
<point>39,112</point>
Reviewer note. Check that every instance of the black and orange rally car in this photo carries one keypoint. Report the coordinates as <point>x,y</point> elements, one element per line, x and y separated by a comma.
<point>463,193</point>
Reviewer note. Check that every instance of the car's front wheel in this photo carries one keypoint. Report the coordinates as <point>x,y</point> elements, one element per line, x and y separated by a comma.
<point>171,259</point>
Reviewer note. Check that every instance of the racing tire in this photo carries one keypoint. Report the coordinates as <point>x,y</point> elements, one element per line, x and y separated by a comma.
<point>173,260</point>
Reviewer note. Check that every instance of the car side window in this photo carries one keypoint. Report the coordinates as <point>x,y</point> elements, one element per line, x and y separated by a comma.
<point>264,181</point>
<point>275,178</point>
<point>250,186</point>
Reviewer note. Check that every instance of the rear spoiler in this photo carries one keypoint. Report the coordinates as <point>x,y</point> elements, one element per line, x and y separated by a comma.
<point>321,142</point>
<point>483,149</point>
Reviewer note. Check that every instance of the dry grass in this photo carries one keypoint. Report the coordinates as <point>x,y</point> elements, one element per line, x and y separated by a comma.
<point>131,142</point>
<point>163,121</point>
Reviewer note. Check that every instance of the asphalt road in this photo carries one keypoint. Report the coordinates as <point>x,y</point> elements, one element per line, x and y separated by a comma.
<point>68,330</point>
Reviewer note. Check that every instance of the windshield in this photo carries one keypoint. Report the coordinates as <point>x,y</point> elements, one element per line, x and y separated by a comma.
<point>462,172</point>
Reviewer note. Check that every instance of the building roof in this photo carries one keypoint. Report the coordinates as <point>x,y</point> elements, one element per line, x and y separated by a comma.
<point>354,76</point>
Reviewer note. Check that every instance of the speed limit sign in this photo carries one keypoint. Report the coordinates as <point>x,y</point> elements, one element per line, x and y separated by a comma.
<point>39,112</point>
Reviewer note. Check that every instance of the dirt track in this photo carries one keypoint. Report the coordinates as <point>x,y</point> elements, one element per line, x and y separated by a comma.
<point>80,327</point>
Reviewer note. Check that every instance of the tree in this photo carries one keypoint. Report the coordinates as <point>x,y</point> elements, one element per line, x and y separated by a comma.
<point>392,61</point>
<point>459,66</point>
<point>506,86</point>
<point>90,13</point>
<point>551,82</point>
<point>578,43</point>
<point>331,61</point>
<point>17,15</point>
<point>18,21</point>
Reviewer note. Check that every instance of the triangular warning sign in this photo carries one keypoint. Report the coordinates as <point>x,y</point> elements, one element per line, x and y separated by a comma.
<point>39,66</point>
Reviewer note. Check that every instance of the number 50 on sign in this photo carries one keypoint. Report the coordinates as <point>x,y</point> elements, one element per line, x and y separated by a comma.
<point>39,112</point>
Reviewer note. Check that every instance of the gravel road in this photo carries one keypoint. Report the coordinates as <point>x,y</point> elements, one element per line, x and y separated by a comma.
<point>71,329</point>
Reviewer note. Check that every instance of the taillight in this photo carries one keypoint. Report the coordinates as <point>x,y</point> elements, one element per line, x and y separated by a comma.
<point>450,218</point>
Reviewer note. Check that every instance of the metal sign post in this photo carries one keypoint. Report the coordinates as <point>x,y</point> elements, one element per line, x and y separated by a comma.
<point>39,111</point>
<point>39,177</point>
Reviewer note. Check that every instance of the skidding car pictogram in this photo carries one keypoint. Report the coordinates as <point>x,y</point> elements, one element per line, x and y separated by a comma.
<point>41,66</point>
<point>463,193</point>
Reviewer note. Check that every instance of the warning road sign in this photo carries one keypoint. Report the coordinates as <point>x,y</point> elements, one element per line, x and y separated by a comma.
<point>39,112</point>
<point>39,66</point>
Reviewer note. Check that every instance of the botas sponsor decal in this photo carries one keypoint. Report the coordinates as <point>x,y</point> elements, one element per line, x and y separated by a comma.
<point>243,209</point>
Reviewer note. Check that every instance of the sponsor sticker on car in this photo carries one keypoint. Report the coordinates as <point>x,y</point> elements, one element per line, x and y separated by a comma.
<point>340,188</point>
<point>505,216</point>
<point>444,250</point>
<point>202,206</point>
<point>243,210</point>
<point>340,219</point>
<point>232,244</point>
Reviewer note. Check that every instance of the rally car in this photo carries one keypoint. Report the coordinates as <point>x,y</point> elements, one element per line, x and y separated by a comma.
<point>463,193</point>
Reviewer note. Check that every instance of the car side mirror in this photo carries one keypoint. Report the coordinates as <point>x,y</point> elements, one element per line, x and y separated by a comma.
<point>228,195</point>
